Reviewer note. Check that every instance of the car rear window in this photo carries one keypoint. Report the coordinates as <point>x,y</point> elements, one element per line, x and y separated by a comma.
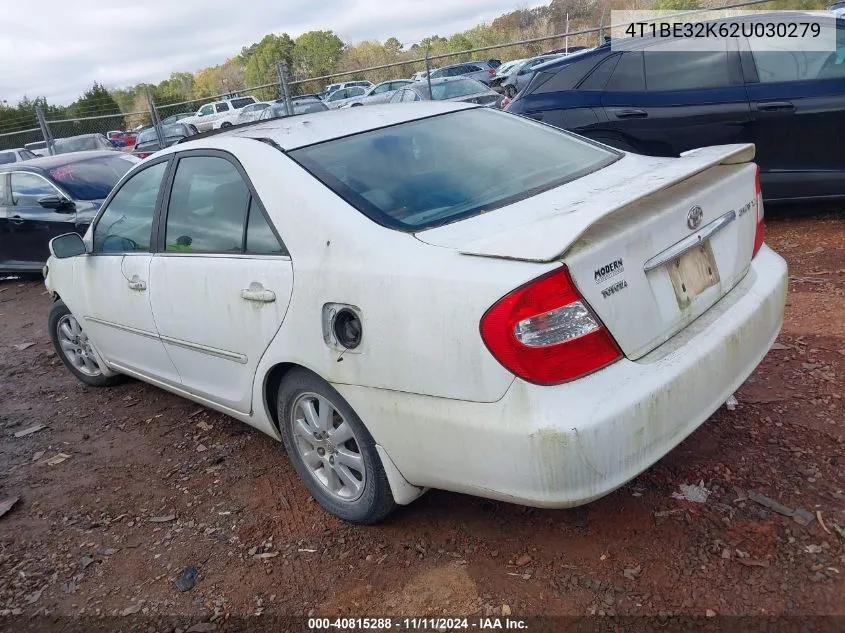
<point>7,157</point>
<point>242,102</point>
<point>434,171</point>
<point>93,178</point>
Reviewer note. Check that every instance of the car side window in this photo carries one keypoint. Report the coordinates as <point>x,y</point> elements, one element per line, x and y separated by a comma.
<point>126,224</point>
<point>777,63</point>
<point>398,96</point>
<point>260,239</point>
<point>28,188</point>
<point>670,66</point>
<point>380,89</point>
<point>472,69</point>
<point>628,74</point>
<point>206,110</point>
<point>221,107</point>
<point>207,208</point>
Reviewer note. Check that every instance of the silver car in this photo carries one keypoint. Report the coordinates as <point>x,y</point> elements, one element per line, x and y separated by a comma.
<point>482,71</point>
<point>521,74</point>
<point>340,98</point>
<point>380,93</point>
<point>450,89</point>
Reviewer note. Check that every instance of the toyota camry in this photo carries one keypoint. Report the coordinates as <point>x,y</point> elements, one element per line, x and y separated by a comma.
<point>408,302</point>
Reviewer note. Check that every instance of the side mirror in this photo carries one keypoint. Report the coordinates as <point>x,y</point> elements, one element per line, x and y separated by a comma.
<point>67,245</point>
<point>61,205</point>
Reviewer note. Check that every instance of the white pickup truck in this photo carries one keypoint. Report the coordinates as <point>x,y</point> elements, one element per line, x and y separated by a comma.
<point>211,115</point>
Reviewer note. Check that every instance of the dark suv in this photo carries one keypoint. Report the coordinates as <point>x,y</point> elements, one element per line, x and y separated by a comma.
<point>658,97</point>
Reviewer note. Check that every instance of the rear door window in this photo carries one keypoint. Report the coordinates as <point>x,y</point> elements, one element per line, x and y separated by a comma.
<point>628,76</point>
<point>28,188</point>
<point>222,107</point>
<point>207,208</point>
<point>779,62</point>
<point>669,66</point>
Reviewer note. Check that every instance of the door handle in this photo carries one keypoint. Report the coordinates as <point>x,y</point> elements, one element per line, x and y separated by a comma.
<point>16,219</point>
<point>136,283</point>
<point>775,106</point>
<point>257,293</point>
<point>630,113</point>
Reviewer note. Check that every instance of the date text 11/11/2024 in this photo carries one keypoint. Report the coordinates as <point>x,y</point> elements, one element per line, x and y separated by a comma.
<point>415,624</point>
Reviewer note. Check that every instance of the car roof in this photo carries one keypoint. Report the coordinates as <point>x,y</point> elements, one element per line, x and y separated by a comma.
<point>297,131</point>
<point>51,162</point>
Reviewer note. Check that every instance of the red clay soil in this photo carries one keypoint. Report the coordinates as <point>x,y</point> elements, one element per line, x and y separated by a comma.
<point>153,484</point>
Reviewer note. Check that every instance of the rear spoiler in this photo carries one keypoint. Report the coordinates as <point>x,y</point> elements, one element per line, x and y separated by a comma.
<point>548,238</point>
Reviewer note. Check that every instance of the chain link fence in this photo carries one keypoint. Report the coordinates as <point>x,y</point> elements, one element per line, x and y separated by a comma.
<point>42,132</point>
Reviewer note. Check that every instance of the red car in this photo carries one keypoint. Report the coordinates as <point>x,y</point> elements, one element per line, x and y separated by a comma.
<point>128,138</point>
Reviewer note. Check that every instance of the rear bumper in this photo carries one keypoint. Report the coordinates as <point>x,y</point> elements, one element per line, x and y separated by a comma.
<point>567,445</point>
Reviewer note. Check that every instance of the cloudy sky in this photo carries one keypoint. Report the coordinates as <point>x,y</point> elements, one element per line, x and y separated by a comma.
<point>57,49</point>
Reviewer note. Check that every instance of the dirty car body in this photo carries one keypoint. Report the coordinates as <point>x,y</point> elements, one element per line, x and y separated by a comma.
<point>536,330</point>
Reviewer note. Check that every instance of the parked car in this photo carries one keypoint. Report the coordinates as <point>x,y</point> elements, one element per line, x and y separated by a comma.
<point>502,72</point>
<point>345,84</point>
<point>210,113</point>
<point>566,50</point>
<point>174,118</point>
<point>482,71</point>
<point>519,76</point>
<point>278,110</point>
<point>148,142</point>
<point>45,197</point>
<point>82,143</point>
<point>39,148</point>
<point>127,138</point>
<point>341,97</point>
<point>536,278</point>
<point>838,9</point>
<point>244,115</point>
<point>419,76</point>
<point>380,93</point>
<point>451,89</point>
<point>659,98</point>
<point>17,155</point>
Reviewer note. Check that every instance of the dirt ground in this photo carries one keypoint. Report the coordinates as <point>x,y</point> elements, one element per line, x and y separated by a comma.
<point>153,484</point>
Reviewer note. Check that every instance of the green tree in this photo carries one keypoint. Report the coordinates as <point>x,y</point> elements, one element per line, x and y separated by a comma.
<point>393,46</point>
<point>261,62</point>
<point>96,101</point>
<point>317,53</point>
<point>676,5</point>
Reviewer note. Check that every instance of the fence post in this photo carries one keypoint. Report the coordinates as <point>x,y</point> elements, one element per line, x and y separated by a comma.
<point>45,129</point>
<point>288,102</point>
<point>280,77</point>
<point>428,73</point>
<point>566,40</point>
<point>156,122</point>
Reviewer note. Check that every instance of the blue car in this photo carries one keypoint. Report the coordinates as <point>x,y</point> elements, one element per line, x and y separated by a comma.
<point>661,97</point>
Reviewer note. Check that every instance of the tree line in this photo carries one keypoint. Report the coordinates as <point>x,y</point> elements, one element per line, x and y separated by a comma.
<point>319,53</point>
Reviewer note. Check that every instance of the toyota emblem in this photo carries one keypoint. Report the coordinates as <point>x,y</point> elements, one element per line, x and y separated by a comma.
<point>694,217</point>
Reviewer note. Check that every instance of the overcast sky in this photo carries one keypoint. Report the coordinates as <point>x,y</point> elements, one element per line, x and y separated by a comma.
<point>57,49</point>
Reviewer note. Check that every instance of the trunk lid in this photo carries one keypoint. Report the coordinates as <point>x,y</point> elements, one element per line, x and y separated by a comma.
<point>650,252</point>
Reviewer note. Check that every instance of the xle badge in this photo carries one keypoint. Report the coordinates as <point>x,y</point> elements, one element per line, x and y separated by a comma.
<point>608,271</point>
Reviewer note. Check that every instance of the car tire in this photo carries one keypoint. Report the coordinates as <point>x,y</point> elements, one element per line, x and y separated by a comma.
<point>510,92</point>
<point>346,478</point>
<point>226,124</point>
<point>356,105</point>
<point>72,346</point>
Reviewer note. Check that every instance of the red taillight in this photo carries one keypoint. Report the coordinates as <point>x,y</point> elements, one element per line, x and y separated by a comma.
<point>544,332</point>
<point>758,233</point>
<point>505,103</point>
<point>142,154</point>
<point>492,71</point>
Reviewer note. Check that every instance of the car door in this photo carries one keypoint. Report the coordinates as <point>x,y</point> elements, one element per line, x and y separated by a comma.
<point>798,106</point>
<point>206,117</point>
<point>221,283</point>
<point>32,225</point>
<point>114,280</point>
<point>666,99</point>
<point>5,231</point>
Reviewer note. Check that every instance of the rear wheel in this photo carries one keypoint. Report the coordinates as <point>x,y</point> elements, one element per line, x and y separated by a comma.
<point>73,347</point>
<point>332,450</point>
<point>226,124</point>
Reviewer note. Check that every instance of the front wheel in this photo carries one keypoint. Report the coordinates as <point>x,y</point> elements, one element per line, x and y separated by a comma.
<point>226,124</point>
<point>332,450</point>
<point>74,348</point>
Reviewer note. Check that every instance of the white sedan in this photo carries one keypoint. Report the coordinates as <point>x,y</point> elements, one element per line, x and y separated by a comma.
<point>408,302</point>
